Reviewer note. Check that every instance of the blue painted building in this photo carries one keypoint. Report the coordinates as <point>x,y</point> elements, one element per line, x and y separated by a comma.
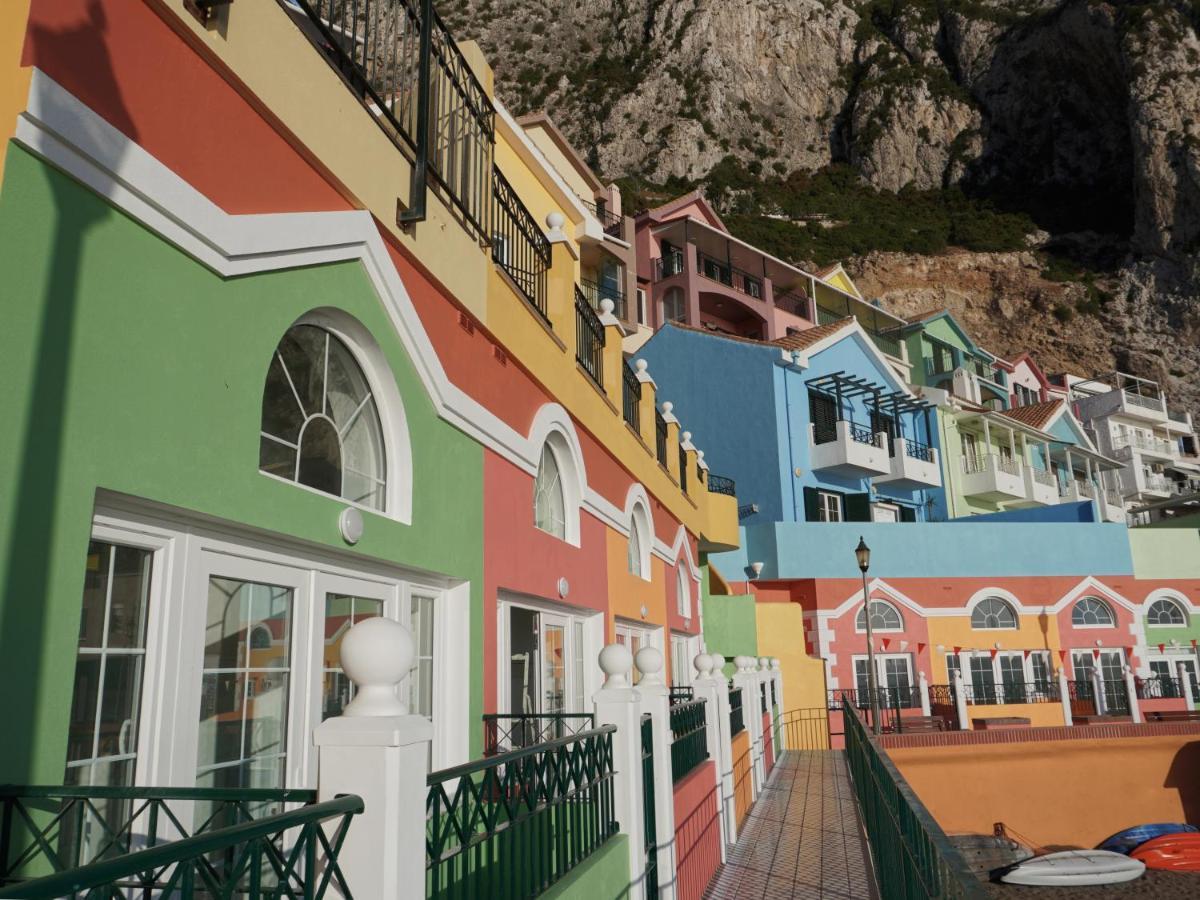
<point>814,427</point>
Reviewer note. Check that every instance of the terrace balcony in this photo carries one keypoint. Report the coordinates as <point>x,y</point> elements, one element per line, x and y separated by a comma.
<point>1142,406</point>
<point>850,449</point>
<point>1160,448</point>
<point>1155,485</point>
<point>1041,487</point>
<point>1078,490</point>
<point>914,465</point>
<point>991,476</point>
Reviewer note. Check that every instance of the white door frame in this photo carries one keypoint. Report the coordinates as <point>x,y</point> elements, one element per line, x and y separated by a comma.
<point>592,622</point>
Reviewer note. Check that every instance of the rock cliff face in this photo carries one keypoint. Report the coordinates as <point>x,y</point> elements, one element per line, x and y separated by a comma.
<point>1084,114</point>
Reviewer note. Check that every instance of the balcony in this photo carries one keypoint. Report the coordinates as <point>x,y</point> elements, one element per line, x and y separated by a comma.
<point>729,275</point>
<point>610,222</point>
<point>914,466</point>
<point>886,340</point>
<point>993,477</point>
<point>1156,485</point>
<point>595,292</point>
<point>1077,490</point>
<point>1041,487</point>
<point>1112,507</point>
<point>1141,406</point>
<point>1123,444</point>
<point>669,266</point>
<point>850,449</point>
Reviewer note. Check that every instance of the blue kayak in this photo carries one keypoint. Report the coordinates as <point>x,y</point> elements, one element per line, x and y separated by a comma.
<point>1126,841</point>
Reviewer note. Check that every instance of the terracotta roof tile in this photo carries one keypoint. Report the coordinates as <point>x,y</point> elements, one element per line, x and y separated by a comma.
<point>1036,415</point>
<point>801,340</point>
<point>922,316</point>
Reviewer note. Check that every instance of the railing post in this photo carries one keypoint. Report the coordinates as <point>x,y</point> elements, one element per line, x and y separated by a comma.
<point>960,700</point>
<point>768,677</point>
<point>560,282</point>
<point>656,700</point>
<point>724,747</point>
<point>618,703</point>
<point>923,687</point>
<point>706,688</point>
<point>1185,683</point>
<point>1098,691</point>
<point>1064,694</point>
<point>745,678</point>
<point>376,750</point>
<point>777,672</point>
<point>1135,708</point>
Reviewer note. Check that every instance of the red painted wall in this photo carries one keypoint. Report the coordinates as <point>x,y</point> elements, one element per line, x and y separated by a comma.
<point>697,831</point>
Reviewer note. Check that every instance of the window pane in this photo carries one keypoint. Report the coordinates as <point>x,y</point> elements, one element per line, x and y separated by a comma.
<point>221,700</point>
<point>130,592</point>
<point>95,592</point>
<point>82,729</point>
<point>362,444</point>
<point>549,505</point>
<point>342,611</point>
<point>320,457</point>
<point>281,413</point>
<point>347,386</point>
<point>554,669</point>
<point>303,352</point>
<point>119,704</point>
<point>276,458</point>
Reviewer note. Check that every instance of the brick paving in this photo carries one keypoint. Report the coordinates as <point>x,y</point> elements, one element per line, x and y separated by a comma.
<point>801,838</point>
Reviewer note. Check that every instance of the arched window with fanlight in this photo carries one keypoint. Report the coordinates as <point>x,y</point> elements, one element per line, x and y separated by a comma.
<point>683,593</point>
<point>320,425</point>
<point>1092,612</point>
<point>992,613</point>
<point>884,617</point>
<point>1165,613</point>
<point>549,502</point>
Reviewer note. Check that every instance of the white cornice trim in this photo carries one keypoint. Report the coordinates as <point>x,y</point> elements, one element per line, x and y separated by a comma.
<point>60,129</point>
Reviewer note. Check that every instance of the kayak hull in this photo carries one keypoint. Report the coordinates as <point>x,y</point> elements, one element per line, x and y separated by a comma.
<point>1073,868</point>
<point>1127,840</point>
<point>1172,852</point>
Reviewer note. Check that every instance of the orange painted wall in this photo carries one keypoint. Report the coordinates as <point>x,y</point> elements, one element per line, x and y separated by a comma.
<point>742,785</point>
<point>1058,793</point>
<point>629,593</point>
<point>1038,714</point>
<point>697,831</point>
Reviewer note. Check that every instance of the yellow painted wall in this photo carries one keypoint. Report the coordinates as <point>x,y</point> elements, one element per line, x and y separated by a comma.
<point>1039,714</point>
<point>842,281</point>
<point>781,634</point>
<point>564,166</point>
<point>1037,632</point>
<point>14,80</point>
<point>1058,793</point>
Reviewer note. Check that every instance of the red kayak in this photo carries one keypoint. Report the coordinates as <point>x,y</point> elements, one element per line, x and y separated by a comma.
<point>1175,852</point>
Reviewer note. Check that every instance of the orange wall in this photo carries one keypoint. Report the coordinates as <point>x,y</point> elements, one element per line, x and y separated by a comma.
<point>1058,793</point>
<point>1038,714</point>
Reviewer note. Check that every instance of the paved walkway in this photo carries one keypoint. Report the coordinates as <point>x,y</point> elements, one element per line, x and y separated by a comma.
<point>801,839</point>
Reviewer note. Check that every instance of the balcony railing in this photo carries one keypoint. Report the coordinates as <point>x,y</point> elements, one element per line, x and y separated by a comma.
<point>736,721</point>
<point>1113,498</point>
<point>670,265</point>
<point>516,806</point>
<point>377,47</point>
<point>1176,416</point>
<point>1158,483</point>
<point>980,462</point>
<point>1042,476</point>
<point>880,329</point>
<point>719,484</point>
<point>729,275</point>
<point>689,738</point>
<point>1085,488</point>
<point>1143,442</point>
<point>860,433</point>
<point>794,302</point>
<point>1159,687</point>
<point>681,693</point>
<point>660,438</point>
<point>610,222</point>
<point>597,292</point>
<point>899,697</point>
<point>683,478</point>
<point>503,732</point>
<point>917,450</point>
<point>589,339</point>
<point>1154,403</point>
<point>519,246</point>
<point>631,398</point>
<point>1014,693</point>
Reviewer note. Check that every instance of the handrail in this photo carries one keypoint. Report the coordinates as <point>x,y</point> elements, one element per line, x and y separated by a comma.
<point>631,398</point>
<point>519,246</point>
<point>107,792</point>
<point>589,339</point>
<point>689,743</point>
<point>519,730</point>
<point>157,859</point>
<point>478,765</point>
<point>719,484</point>
<point>660,438</point>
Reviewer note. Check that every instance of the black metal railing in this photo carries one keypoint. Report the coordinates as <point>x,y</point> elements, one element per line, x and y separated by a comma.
<point>719,484</point>
<point>118,841</point>
<point>514,824</point>
<point>774,699</point>
<point>1082,697</point>
<point>903,697</point>
<point>1159,687</point>
<point>681,693</point>
<point>377,47</point>
<point>729,275</point>
<point>1116,697</point>
<point>503,732</point>
<point>762,693</point>
<point>609,221</point>
<point>1012,693</point>
<point>737,723</point>
<point>649,817</point>
<point>683,467</point>
<point>589,339</point>
<point>519,246</point>
<point>596,292</point>
<point>631,398</point>
<point>917,450</point>
<point>860,433</point>
<point>882,330</point>
<point>689,741</point>
<point>669,265</point>
<point>660,438</point>
<point>794,302</point>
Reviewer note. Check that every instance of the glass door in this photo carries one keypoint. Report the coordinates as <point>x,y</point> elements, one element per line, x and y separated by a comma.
<point>897,678</point>
<point>1012,677</point>
<point>545,674</point>
<point>983,679</point>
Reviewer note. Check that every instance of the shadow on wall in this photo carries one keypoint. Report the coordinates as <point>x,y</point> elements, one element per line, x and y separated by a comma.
<point>1184,776</point>
<point>27,646</point>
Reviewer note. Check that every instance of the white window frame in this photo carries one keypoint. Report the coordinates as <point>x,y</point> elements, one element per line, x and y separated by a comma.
<point>626,631</point>
<point>881,667</point>
<point>864,611</point>
<point>683,591</point>
<point>1174,604</point>
<point>828,511</point>
<point>1107,605</point>
<point>684,650</point>
<point>1016,626</point>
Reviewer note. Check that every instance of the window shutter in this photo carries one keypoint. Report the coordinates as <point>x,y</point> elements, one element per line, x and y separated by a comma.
<point>823,412</point>
<point>812,511</point>
<point>857,507</point>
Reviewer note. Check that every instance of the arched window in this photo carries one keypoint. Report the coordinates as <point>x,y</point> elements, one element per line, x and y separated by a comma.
<point>635,549</point>
<point>683,593</point>
<point>884,617</point>
<point>674,305</point>
<point>1165,612</point>
<point>260,638</point>
<point>549,504</point>
<point>992,612</point>
<point>1092,612</point>
<point>320,427</point>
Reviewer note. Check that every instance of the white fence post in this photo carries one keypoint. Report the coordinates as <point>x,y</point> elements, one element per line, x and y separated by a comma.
<point>960,700</point>
<point>777,672</point>
<point>1098,690</point>
<point>376,750</point>
<point>656,700</point>
<point>1185,682</point>
<point>1064,693</point>
<point>1135,708</point>
<point>617,703</point>
<point>923,687</point>
<point>747,680</point>
<point>706,689</point>
<point>725,746</point>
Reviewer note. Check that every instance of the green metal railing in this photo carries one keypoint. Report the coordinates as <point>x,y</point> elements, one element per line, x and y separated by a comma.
<point>503,732</point>
<point>689,738</point>
<point>913,859</point>
<point>288,854</point>
<point>649,821</point>
<point>512,825</point>
<point>736,723</point>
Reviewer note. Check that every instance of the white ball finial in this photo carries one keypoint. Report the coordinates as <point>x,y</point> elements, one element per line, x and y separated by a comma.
<point>616,662</point>
<point>704,664</point>
<point>775,663</point>
<point>555,221</point>
<point>641,365</point>
<point>376,654</point>
<point>699,455</point>
<point>649,661</point>
<point>667,406</point>
<point>718,669</point>
<point>744,663</point>
<point>606,307</point>
<point>685,436</point>
<point>764,663</point>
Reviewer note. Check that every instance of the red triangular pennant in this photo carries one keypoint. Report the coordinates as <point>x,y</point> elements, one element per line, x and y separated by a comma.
<point>920,647</point>
<point>886,643</point>
<point>1095,653</point>
<point>1129,654</point>
<point>957,650</point>
<point>993,651</point>
<point>1027,652</point>
<point>1162,648</point>
<point>1193,643</point>
<point>1062,655</point>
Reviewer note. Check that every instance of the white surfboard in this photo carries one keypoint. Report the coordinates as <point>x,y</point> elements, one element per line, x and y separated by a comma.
<point>1075,867</point>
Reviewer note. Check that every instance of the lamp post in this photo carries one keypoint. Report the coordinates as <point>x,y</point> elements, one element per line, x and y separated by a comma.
<point>863,554</point>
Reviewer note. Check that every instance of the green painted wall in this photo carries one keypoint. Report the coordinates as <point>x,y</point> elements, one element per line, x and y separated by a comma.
<point>129,366</point>
<point>1165,552</point>
<point>603,876</point>
<point>730,625</point>
<point>958,504</point>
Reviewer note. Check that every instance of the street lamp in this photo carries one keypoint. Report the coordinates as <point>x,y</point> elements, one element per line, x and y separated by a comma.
<point>863,554</point>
